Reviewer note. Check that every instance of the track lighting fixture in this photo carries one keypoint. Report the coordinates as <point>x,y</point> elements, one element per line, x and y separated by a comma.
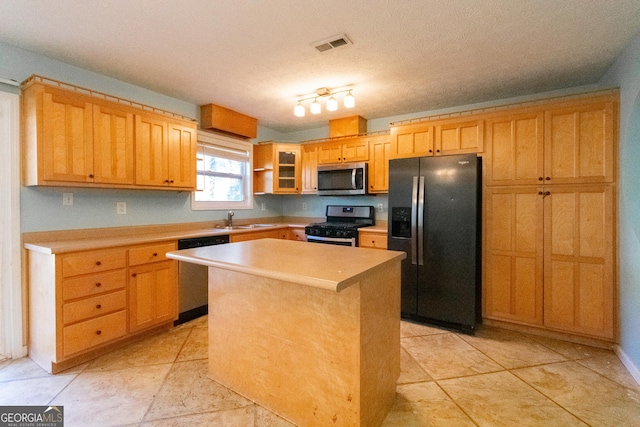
<point>332,102</point>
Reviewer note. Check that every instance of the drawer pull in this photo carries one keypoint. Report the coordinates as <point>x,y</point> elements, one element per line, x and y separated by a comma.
<point>155,254</point>
<point>99,306</point>
<point>133,275</point>
<point>98,263</point>
<point>98,284</point>
<point>98,332</point>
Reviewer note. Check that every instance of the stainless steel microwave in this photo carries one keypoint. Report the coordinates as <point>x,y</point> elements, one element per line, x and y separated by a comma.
<point>345,179</point>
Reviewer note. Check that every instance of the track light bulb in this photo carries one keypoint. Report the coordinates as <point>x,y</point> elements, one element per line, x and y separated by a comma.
<point>299,110</point>
<point>332,104</point>
<point>315,107</point>
<point>349,101</point>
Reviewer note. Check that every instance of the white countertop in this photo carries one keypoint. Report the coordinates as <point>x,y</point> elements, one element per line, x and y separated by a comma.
<point>323,266</point>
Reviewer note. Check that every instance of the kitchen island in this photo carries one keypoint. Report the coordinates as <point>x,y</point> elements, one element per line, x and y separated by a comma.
<point>309,331</point>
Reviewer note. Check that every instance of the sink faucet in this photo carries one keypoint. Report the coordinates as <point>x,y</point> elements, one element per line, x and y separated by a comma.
<point>230,218</point>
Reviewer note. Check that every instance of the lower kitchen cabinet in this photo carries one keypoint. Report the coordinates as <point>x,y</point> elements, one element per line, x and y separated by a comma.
<point>372,240</point>
<point>152,295</point>
<point>549,258</point>
<point>266,234</point>
<point>82,302</point>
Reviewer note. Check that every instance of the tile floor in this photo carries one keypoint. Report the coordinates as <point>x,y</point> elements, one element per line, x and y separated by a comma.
<point>495,378</point>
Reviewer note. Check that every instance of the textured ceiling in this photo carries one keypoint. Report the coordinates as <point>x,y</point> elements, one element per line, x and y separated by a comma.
<point>257,57</point>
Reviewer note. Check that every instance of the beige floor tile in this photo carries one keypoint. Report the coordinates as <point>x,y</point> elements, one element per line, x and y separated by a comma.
<point>21,369</point>
<point>501,399</point>
<point>410,329</point>
<point>195,347</point>
<point>242,417</point>
<point>200,322</point>
<point>4,363</point>
<point>33,391</point>
<point>424,405</point>
<point>188,390</point>
<point>611,367</point>
<point>570,350</point>
<point>592,398</point>
<point>447,356</point>
<point>156,350</point>
<point>410,370</point>
<point>266,418</point>
<point>511,349</point>
<point>112,398</point>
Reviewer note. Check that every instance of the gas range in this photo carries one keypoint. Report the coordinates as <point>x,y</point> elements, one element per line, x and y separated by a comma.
<point>341,227</point>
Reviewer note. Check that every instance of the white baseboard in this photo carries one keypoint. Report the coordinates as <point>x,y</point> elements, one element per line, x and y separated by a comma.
<point>626,361</point>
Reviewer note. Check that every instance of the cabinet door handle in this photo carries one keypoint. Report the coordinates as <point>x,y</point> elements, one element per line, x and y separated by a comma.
<point>431,151</point>
<point>545,194</point>
<point>90,175</point>
<point>98,263</point>
<point>548,178</point>
<point>98,284</point>
<point>98,332</point>
<point>133,275</point>
<point>539,178</point>
<point>155,254</point>
<point>99,306</point>
<point>437,151</point>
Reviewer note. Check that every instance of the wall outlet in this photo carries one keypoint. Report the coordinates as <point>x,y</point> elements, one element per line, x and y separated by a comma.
<point>121,208</point>
<point>263,206</point>
<point>304,206</point>
<point>380,207</point>
<point>67,199</point>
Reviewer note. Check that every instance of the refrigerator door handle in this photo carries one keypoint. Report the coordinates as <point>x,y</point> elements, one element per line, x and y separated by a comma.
<point>414,220</point>
<point>421,222</point>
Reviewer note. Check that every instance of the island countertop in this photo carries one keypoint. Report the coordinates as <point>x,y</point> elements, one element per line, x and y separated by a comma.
<point>329,267</point>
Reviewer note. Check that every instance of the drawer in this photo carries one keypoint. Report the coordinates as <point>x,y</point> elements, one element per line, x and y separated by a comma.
<point>242,237</point>
<point>92,285</point>
<point>94,306</point>
<point>93,262</point>
<point>372,240</point>
<point>83,336</point>
<point>150,253</point>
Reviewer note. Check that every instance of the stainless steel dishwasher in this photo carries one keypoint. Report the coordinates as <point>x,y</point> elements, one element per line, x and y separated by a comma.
<point>192,280</point>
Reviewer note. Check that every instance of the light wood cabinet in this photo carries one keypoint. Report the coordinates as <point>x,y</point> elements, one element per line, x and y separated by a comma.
<point>345,151</point>
<point>549,257</point>
<point>165,153</point>
<point>459,138</point>
<point>254,235</point>
<point>297,234</point>
<point>412,140</point>
<point>579,143</point>
<point>73,137</point>
<point>515,147</point>
<point>372,240</point>
<point>309,168</point>
<point>81,303</point>
<point>550,216</point>
<point>276,169</point>
<point>379,153</point>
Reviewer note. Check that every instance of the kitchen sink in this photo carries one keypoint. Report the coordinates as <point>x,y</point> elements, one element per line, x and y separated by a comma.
<point>243,227</point>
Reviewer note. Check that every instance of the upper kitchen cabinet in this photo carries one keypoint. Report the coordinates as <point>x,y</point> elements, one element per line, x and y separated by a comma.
<point>411,140</point>
<point>379,152</point>
<point>569,143</point>
<point>459,138</point>
<point>276,168</point>
<point>77,137</point>
<point>309,168</point>
<point>165,153</point>
<point>344,151</point>
<point>515,149</point>
<point>579,143</point>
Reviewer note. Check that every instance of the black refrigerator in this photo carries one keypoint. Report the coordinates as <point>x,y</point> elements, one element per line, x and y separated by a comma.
<point>434,216</point>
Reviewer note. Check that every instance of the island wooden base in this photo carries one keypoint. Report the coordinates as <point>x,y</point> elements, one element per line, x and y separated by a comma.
<point>315,357</point>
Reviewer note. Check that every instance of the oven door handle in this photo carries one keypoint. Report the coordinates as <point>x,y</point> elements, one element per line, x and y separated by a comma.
<point>329,240</point>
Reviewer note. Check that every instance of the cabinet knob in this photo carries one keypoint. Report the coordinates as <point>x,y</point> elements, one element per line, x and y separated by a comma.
<point>437,151</point>
<point>98,332</point>
<point>98,263</point>
<point>98,306</point>
<point>548,178</point>
<point>170,181</point>
<point>98,284</point>
<point>90,175</point>
<point>133,275</point>
<point>539,178</point>
<point>431,151</point>
<point>155,254</point>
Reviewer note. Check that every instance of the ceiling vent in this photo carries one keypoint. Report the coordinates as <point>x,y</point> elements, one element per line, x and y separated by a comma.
<point>332,43</point>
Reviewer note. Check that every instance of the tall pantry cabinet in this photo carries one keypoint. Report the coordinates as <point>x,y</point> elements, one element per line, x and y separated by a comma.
<point>550,186</point>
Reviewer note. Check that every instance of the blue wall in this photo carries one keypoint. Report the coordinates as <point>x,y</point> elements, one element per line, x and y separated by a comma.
<point>625,73</point>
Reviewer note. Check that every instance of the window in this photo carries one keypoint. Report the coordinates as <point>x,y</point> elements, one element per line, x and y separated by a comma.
<point>224,173</point>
